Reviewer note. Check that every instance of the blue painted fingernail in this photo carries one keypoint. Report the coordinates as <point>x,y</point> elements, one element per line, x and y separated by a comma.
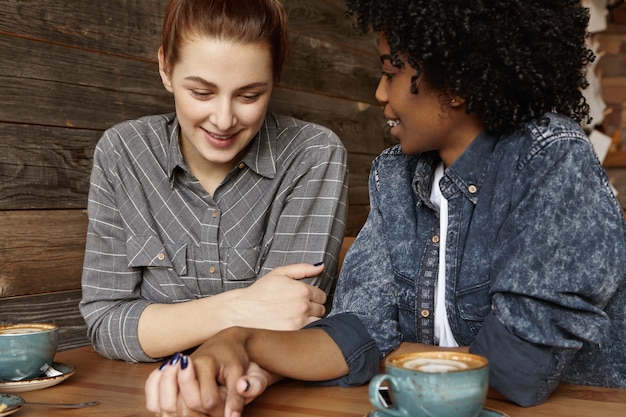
<point>184,362</point>
<point>319,263</point>
<point>164,364</point>
<point>175,359</point>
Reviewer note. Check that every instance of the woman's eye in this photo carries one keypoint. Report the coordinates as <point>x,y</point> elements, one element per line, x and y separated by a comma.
<point>200,94</point>
<point>249,98</point>
<point>208,94</point>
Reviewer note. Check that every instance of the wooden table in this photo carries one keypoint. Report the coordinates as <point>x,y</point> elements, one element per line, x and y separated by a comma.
<point>119,388</point>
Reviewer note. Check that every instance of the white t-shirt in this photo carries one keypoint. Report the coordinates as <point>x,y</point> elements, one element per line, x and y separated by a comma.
<point>443,333</point>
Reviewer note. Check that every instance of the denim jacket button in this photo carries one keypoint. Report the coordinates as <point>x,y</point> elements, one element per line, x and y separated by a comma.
<point>472,188</point>
<point>435,239</point>
<point>425,313</point>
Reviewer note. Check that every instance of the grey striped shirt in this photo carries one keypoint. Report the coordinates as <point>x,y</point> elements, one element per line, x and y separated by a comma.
<point>156,236</point>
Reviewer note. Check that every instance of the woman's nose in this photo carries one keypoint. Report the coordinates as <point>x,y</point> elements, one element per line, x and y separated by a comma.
<point>223,116</point>
<point>381,91</point>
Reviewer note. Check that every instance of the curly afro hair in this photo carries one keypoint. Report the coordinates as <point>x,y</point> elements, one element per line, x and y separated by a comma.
<point>511,60</point>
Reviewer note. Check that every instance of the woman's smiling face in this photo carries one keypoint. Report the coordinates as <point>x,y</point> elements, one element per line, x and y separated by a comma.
<point>426,121</point>
<point>222,91</point>
<point>415,119</point>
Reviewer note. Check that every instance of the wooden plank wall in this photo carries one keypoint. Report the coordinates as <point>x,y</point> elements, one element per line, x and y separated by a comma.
<point>72,69</point>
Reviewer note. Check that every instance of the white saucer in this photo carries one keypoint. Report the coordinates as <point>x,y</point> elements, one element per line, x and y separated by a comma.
<point>487,412</point>
<point>10,400</point>
<point>38,383</point>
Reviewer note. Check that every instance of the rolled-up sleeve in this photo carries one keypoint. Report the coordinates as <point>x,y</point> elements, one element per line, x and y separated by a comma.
<point>358,348</point>
<point>535,367</point>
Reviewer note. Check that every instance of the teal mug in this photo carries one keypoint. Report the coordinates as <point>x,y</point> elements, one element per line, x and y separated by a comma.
<point>433,384</point>
<point>26,350</point>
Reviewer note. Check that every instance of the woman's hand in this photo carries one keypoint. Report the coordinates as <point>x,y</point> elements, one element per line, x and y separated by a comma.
<point>217,380</point>
<point>279,300</point>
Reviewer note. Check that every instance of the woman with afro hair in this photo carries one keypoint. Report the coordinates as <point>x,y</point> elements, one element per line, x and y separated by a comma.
<point>493,228</point>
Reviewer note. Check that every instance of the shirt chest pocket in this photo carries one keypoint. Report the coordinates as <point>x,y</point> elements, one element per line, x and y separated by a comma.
<point>151,252</point>
<point>242,263</point>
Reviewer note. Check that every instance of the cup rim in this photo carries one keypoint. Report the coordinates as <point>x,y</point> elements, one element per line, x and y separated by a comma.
<point>43,328</point>
<point>436,354</point>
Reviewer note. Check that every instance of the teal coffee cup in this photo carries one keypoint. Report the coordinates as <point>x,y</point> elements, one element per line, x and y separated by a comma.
<point>26,350</point>
<point>432,384</point>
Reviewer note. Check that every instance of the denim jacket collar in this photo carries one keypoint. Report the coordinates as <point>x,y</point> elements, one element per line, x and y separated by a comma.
<point>467,174</point>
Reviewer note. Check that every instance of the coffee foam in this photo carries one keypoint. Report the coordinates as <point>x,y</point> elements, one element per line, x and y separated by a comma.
<point>435,365</point>
<point>20,329</point>
<point>23,330</point>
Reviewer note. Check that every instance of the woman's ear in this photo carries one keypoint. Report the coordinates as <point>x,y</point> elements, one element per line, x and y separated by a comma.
<point>165,72</point>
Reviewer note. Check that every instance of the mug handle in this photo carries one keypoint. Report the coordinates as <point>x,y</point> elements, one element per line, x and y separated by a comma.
<point>374,386</point>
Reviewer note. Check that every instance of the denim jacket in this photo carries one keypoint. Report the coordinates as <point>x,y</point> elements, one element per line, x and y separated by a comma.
<point>535,260</point>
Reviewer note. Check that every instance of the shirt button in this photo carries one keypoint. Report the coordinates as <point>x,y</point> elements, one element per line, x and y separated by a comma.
<point>472,189</point>
<point>212,269</point>
<point>435,239</point>
<point>214,214</point>
<point>241,165</point>
<point>425,313</point>
<point>161,256</point>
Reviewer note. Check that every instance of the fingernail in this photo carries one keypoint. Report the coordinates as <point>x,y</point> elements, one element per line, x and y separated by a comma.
<point>247,386</point>
<point>319,263</point>
<point>175,359</point>
<point>164,364</point>
<point>184,362</point>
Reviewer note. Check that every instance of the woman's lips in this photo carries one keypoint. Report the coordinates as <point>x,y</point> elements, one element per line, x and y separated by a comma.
<point>220,140</point>
<point>221,137</point>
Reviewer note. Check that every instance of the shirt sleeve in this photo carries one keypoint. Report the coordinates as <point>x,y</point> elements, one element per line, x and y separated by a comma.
<point>559,260</point>
<point>111,301</point>
<point>311,224</point>
<point>358,348</point>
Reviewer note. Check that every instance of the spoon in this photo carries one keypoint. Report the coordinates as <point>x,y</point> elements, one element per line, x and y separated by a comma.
<point>60,405</point>
<point>15,402</point>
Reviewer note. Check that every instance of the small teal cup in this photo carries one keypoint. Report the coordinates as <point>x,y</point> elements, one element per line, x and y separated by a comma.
<point>433,384</point>
<point>26,350</point>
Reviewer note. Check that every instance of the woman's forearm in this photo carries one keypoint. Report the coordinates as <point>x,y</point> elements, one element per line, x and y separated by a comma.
<point>309,355</point>
<point>168,328</point>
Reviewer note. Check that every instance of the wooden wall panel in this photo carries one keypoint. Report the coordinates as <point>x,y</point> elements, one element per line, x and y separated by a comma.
<point>119,27</point>
<point>323,67</point>
<point>72,69</point>
<point>43,167</point>
<point>43,251</point>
